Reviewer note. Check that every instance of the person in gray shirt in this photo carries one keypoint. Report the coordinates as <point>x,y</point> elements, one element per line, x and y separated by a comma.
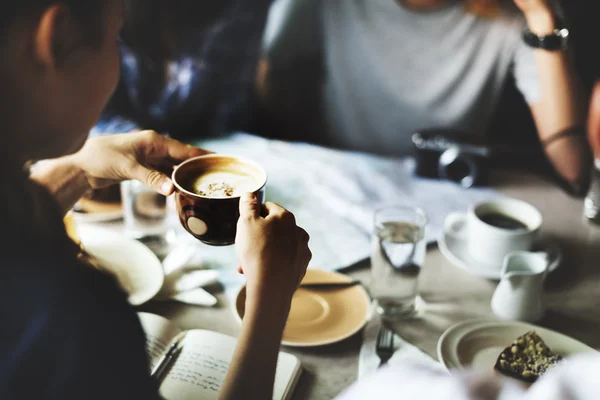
<point>393,67</point>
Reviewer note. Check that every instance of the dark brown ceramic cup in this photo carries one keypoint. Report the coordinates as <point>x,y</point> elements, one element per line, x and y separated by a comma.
<point>213,220</point>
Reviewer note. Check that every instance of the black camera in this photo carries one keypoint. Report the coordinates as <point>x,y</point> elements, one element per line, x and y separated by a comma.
<point>452,155</point>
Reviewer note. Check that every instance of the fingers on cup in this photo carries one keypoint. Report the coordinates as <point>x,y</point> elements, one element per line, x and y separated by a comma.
<point>303,235</point>
<point>155,179</point>
<point>181,151</point>
<point>249,206</point>
<point>274,210</point>
<point>159,145</point>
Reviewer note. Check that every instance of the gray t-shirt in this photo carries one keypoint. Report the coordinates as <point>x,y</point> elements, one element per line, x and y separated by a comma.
<point>390,71</point>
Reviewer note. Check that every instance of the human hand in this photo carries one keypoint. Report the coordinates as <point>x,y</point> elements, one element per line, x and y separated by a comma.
<point>538,14</point>
<point>273,252</point>
<point>146,156</point>
<point>529,6</point>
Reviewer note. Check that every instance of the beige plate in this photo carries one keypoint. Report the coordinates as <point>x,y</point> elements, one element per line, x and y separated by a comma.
<point>96,211</point>
<point>320,317</point>
<point>478,343</point>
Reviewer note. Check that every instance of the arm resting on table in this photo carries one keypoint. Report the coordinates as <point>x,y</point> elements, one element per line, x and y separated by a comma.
<point>561,107</point>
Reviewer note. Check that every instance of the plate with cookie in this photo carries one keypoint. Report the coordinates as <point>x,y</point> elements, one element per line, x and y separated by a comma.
<point>515,350</point>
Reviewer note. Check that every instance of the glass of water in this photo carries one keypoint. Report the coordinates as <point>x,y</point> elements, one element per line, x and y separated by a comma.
<point>591,205</point>
<point>397,256</point>
<point>145,216</point>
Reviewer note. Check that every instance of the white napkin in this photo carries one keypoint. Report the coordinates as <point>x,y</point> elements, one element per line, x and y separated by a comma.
<point>186,280</point>
<point>405,353</point>
<point>186,287</point>
<point>178,258</point>
<point>183,283</point>
<point>196,297</point>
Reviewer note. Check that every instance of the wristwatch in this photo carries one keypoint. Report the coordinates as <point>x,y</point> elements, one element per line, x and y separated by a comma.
<point>557,40</point>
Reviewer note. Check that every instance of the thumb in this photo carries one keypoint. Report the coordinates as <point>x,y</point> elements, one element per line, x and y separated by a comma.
<point>249,206</point>
<point>158,181</point>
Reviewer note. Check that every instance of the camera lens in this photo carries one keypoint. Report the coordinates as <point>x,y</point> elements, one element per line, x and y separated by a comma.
<point>457,167</point>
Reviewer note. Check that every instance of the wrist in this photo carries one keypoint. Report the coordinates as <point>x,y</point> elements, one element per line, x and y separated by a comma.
<point>62,178</point>
<point>541,22</point>
<point>80,178</point>
<point>270,302</point>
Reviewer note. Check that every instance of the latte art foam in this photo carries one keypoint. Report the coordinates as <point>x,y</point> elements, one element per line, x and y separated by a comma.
<point>223,183</point>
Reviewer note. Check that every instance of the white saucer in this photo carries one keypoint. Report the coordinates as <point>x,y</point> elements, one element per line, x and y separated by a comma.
<point>137,269</point>
<point>453,246</point>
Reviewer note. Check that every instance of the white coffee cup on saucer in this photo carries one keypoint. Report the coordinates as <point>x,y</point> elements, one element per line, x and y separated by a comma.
<point>490,243</point>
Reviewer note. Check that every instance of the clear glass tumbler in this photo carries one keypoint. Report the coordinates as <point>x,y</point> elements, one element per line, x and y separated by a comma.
<point>591,204</point>
<point>145,216</point>
<point>397,256</point>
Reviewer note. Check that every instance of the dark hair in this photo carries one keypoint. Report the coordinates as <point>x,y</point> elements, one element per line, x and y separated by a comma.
<point>89,13</point>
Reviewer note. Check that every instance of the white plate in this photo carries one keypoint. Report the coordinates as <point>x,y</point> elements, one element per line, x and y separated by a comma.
<point>454,246</point>
<point>137,269</point>
<point>476,344</point>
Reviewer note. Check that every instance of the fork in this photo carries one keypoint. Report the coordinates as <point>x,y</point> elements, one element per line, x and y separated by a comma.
<point>385,345</point>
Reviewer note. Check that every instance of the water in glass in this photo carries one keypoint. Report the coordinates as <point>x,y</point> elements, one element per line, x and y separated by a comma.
<point>398,253</point>
<point>145,216</point>
<point>591,204</point>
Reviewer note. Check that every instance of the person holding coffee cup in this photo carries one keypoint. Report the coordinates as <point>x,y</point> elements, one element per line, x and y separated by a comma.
<point>60,316</point>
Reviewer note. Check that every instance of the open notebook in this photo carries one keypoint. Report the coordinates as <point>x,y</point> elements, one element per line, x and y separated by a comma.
<point>200,368</point>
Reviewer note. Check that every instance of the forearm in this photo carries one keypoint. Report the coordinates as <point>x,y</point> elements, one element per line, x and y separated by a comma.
<point>252,370</point>
<point>63,179</point>
<point>561,106</point>
<point>562,96</point>
<point>593,125</point>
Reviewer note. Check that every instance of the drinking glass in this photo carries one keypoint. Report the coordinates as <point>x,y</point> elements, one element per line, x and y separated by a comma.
<point>397,256</point>
<point>145,216</point>
<point>591,204</point>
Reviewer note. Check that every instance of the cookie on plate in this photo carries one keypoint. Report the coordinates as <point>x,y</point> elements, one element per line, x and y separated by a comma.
<point>527,358</point>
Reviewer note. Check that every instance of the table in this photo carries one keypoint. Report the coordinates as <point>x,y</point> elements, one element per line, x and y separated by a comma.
<point>453,295</point>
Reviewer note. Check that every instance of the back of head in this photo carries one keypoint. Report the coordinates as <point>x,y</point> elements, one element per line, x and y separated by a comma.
<point>30,215</point>
<point>20,25</point>
<point>89,12</point>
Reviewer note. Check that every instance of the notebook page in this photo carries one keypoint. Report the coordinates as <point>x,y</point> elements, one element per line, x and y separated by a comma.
<point>159,333</point>
<point>200,369</point>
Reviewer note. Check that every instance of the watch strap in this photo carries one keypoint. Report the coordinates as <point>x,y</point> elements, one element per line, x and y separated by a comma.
<point>557,40</point>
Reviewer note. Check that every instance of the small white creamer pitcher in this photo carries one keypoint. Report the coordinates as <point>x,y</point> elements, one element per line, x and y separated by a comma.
<point>519,295</point>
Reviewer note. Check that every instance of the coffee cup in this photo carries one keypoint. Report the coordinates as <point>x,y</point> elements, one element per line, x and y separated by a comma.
<point>208,190</point>
<point>496,228</point>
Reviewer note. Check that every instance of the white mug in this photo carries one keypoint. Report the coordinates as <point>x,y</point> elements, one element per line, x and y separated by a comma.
<point>490,244</point>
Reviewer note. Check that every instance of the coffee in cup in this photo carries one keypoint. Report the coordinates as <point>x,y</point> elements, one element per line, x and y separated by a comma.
<point>499,227</point>
<point>208,190</point>
<point>502,221</point>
